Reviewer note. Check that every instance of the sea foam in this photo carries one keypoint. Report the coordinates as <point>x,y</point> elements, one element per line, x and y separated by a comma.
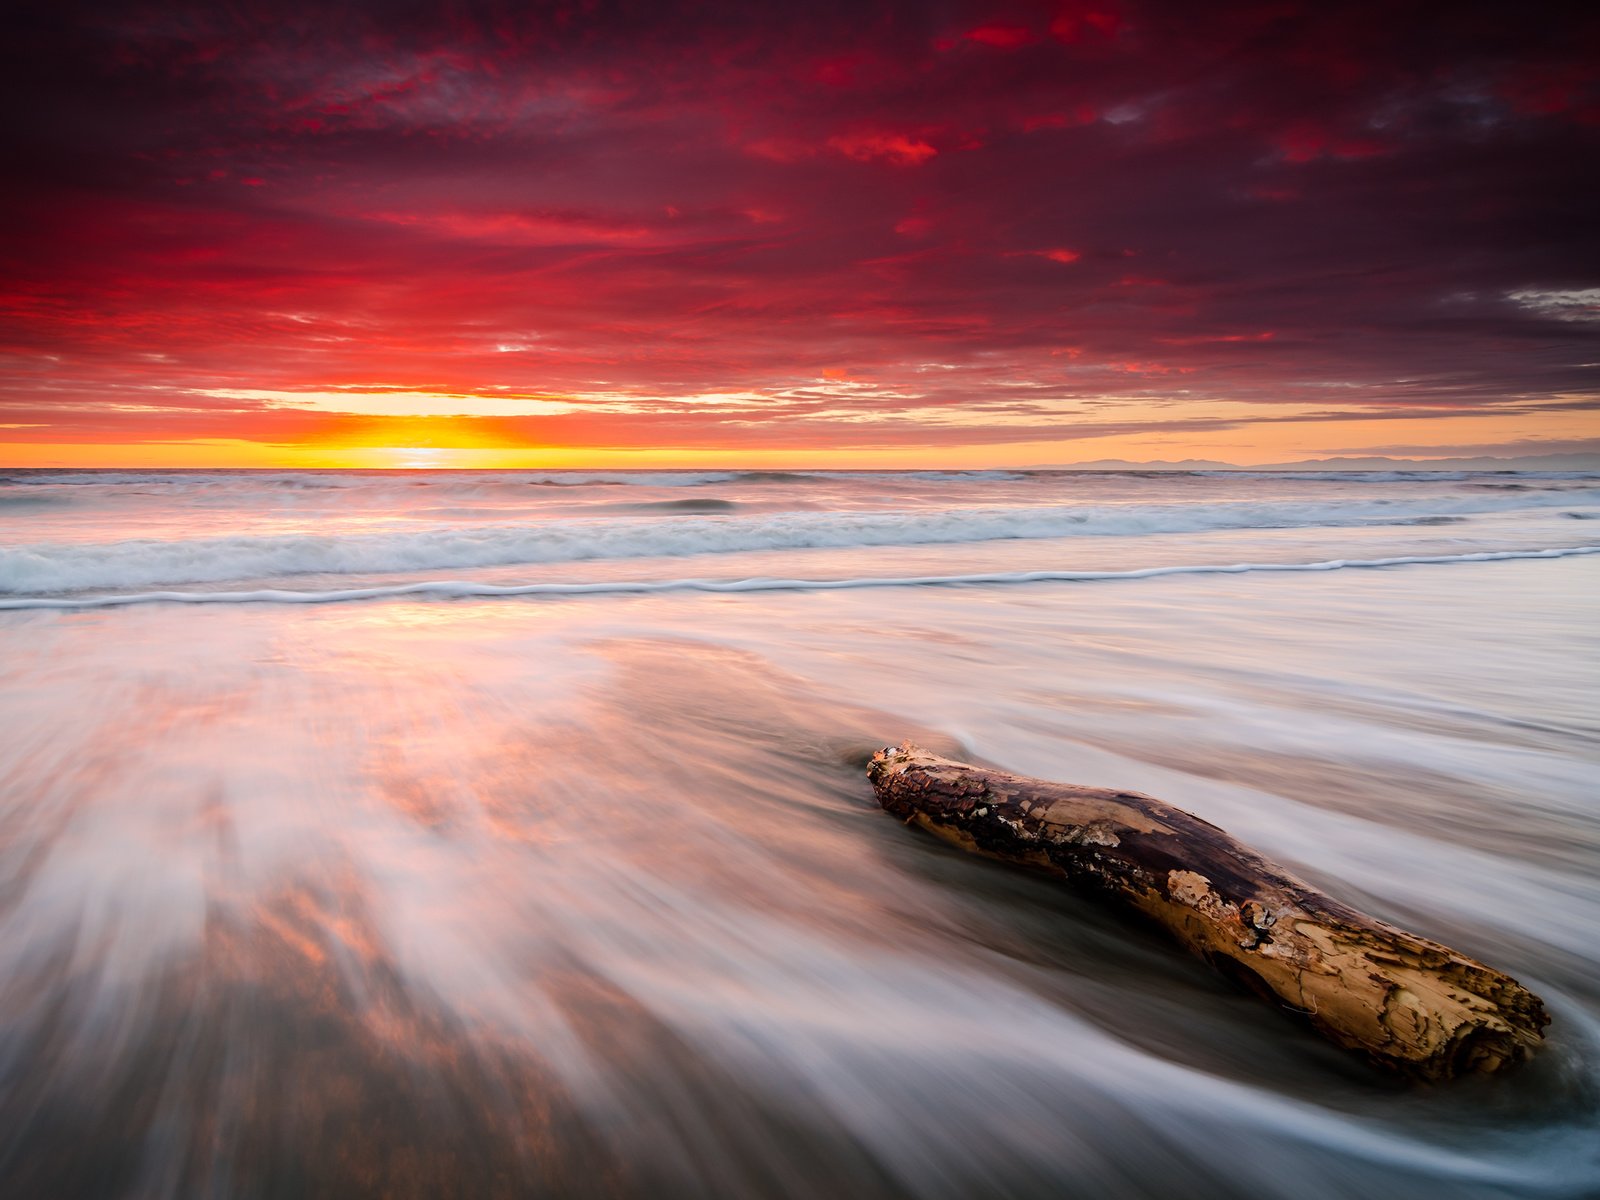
<point>451,589</point>
<point>75,566</point>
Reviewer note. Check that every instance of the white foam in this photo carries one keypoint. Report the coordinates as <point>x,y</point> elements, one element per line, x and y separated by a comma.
<point>462,589</point>
<point>79,566</point>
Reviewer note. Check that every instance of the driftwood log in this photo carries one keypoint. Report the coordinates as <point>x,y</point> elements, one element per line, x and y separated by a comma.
<point>1404,1002</point>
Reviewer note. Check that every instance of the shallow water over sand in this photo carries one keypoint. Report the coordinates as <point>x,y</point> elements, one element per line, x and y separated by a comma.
<point>589,895</point>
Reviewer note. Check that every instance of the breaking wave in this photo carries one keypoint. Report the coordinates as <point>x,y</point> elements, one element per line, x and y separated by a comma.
<point>451,589</point>
<point>67,566</point>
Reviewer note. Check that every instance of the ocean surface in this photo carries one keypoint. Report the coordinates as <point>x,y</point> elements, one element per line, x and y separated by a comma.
<point>507,833</point>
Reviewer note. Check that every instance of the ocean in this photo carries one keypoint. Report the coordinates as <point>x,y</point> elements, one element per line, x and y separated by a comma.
<point>507,833</point>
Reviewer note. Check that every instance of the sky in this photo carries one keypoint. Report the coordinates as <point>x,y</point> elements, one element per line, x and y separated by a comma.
<point>525,234</point>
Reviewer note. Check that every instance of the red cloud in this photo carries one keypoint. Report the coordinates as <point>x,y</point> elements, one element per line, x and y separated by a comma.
<point>900,149</point>
<point>1000,36</point>
<point>1218,339</point>
<point>781,149</point>
<point>1077,22</point>
<point>1083,114</point>
<point>1306,142</point>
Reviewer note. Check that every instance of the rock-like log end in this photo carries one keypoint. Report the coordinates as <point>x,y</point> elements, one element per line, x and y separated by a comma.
<point>1406,1003</point>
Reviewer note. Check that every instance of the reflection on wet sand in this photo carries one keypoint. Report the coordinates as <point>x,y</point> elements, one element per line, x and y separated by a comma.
<point>477,899</point>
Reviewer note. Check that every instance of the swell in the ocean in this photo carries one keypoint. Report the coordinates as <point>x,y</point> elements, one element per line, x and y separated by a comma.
<point>65,567</point>
<point>462,589</point>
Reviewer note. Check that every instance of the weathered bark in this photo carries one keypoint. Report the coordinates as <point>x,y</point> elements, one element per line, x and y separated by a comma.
<point>1403,1001</point>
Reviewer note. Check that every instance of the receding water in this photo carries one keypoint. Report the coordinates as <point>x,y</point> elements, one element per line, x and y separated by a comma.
<point>587,894</point>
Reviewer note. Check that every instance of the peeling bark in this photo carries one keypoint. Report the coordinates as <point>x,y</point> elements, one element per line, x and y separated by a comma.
<point>1404,1002</point>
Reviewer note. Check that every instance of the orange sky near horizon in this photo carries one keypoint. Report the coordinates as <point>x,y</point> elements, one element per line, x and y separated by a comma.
<point>408,443</point>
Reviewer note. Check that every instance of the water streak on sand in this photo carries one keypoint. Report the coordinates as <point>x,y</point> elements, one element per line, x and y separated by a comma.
<point>587,895</point>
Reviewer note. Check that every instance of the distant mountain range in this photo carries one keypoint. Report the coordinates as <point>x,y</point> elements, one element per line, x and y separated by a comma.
<point>1529,462</point>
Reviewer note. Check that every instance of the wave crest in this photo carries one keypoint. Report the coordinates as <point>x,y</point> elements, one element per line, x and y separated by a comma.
<point>451,589</point>
<point>66,567</point>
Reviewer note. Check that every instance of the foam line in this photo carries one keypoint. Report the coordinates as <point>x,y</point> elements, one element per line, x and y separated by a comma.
<point>450,589</point>
<point>31,570</point>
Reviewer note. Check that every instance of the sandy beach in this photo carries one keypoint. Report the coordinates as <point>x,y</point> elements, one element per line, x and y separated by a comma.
<point>588,893</point>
